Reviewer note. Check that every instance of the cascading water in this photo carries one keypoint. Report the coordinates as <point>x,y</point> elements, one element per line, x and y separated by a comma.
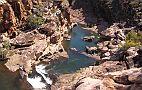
<point>75,61</point>
<point>37,81</point>
<point>40,77</point>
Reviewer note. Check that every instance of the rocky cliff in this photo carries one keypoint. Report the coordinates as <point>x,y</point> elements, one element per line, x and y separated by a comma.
<point>14,12</point>
<point>32,45</point>
<point>128,11</point>
<point>7,17</point>
<point>114,73</point>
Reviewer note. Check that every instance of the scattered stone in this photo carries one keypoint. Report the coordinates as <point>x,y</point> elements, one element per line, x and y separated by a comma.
<point>89,38</point>
<point>104,49</point>
<point>100,45</point>
<point>136,77</point>
<point>90,50</point>
<point>73,49</point>
<point>107,54</point>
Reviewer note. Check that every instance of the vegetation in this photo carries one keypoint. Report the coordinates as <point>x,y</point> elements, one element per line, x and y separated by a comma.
<point>133,39</point>
<point>6,45</point>
<point>3,54</point>
<point>34,21</point>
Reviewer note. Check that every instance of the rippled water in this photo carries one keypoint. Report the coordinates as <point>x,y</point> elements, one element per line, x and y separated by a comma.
<point>11,81</point>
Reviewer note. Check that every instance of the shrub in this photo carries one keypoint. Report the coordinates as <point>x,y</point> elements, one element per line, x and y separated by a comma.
<point>6,45</point>
<point>34,21</point>
<point>131,43</point>
<point>133,39</point>
<point>2,54</point>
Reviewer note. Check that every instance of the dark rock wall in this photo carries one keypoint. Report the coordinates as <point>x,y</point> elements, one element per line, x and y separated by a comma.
<point>129,11</point>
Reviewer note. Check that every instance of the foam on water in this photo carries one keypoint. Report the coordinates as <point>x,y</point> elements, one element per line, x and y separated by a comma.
<point>37,82</point>
<point>41,70</point>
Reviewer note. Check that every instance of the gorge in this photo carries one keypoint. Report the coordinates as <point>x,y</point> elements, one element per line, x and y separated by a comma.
<point>70,44</point>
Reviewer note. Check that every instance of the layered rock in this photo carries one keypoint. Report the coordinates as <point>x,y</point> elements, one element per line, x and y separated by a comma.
<point>33,47</point>
<point>108,76</point>
<point>8,20</point>
<point>28,5</point>
<point>42,44</point>
<point>14,13</point>
<point>18,8</point>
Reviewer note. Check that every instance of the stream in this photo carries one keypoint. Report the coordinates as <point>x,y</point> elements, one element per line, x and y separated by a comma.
<point>76,60</point>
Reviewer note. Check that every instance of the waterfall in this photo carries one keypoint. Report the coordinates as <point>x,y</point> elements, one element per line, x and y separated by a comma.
<point>37,82</point>
<point>41,70</point>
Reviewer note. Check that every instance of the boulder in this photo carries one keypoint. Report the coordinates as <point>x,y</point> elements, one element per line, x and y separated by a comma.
<point>26,53</point>
<point>132,52</point>
<point>106,58</point>
<point>55,38</point>
<point>89,38</point>
<point>107,54</point>
<point>110,32</point>
<point>122,77</point>
<point>37,2</point>
<point>114,32</point>
<point>104,49</point>
<point>100,45</point>
<point>96,84</point>
<point>16,61</point>
<point>111,46</point>
<point>90,50</point>
<point>73,49</point>
<point>136,77</point>
<point>22,40</point>
<point>88,84</point>
<point>49,28</point>
<point>105,43</point>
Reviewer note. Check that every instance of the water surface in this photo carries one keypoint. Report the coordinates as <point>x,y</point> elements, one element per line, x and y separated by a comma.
<point>11,80</point>
<point>76,60</point>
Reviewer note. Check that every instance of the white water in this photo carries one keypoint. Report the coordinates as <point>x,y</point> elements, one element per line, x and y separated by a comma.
<point>41,70</point>
<point>37,82</point>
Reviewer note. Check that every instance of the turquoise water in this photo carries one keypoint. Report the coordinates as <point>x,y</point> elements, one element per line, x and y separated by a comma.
<point>75,60</point>
<point>11,80</point>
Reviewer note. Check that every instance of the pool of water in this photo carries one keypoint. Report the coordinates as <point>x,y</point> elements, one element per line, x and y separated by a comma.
<point>11,80</point>
<point>76,60</point>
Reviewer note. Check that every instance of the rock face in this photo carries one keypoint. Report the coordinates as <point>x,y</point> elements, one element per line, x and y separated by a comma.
<point>108,76</point>
<point>41,44</point>
<point>7,16</point>
<point>33,47</point>
<point>14,12</point>
<point>18,8</point>
<point>113,10</point>
<point>96,84</point>
<point>97,72</point>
